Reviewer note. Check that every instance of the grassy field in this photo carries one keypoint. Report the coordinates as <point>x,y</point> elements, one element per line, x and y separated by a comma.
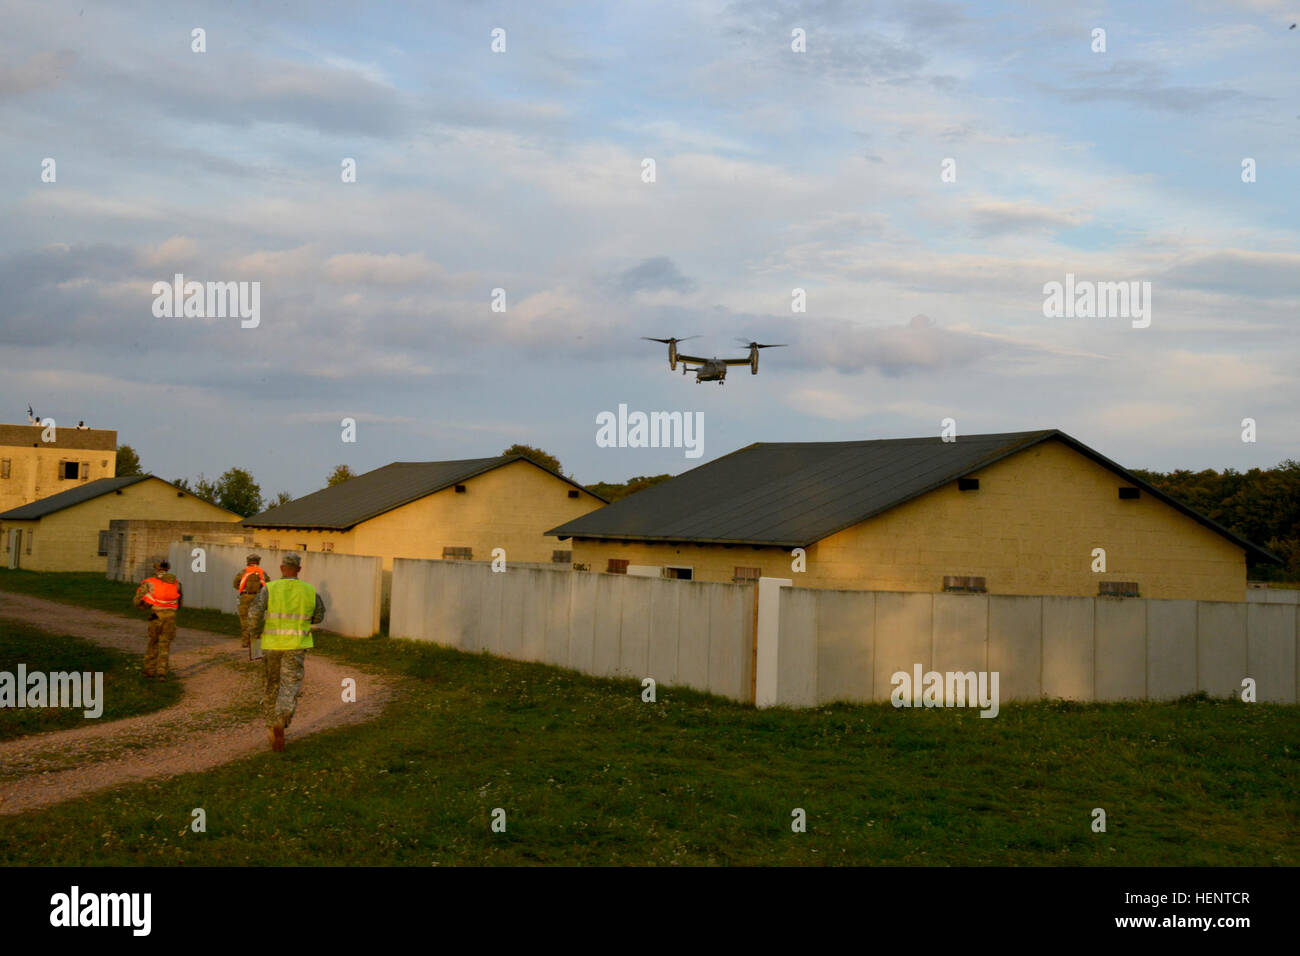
<point>126,691</point>
<point>588,773</point>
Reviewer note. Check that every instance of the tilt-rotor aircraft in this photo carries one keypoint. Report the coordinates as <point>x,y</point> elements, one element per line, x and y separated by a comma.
<point>710,369</point>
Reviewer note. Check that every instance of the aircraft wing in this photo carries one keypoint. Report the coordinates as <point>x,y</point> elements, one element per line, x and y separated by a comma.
<point>692,358</point>
<point>743,361</point>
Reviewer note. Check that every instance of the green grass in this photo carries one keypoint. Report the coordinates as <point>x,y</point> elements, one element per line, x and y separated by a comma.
<point>93,590</point>
<point>127,692</point>
<point>589,774</point>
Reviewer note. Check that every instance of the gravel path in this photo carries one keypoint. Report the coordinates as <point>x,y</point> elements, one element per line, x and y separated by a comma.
<point>216,721</point>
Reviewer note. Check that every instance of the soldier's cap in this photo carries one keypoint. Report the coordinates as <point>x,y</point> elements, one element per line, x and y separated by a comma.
<point>254,559</point>
<point>293,558</point>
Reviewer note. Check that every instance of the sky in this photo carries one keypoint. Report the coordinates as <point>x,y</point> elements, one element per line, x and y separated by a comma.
<point>920,169</point>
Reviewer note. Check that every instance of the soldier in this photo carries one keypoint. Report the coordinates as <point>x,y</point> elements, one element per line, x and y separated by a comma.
<point>161,596</point>
<point>282,615</point>
<point>248,582</point>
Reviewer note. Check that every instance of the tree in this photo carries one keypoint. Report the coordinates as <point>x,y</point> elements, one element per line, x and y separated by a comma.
<point>282,498</point>
<point>128,462</point>
<point>613,491</point>
<point>340,474</point>
<point>237,491</point>
<point>201,488</point>
<point>537,455</point>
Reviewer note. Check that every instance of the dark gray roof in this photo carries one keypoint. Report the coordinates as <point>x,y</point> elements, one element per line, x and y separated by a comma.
<point>73,496</point>
<point>792,494</point>
<point>361,498</point>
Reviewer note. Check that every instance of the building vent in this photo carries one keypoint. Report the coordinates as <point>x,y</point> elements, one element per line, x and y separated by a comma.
<point>964,584</point>
<point>573,492</point>
<point>968,484</point>
<point>460,489</point>
<point>466,554</point>
<point>617,566</point>
<point>561,557</point>
<point>1128,494</point>
<point>1118,589</point>
<point>746,575</point>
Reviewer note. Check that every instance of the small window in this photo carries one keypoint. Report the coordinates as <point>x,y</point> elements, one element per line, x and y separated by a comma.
<point>187,537</point>
<point>4,467</point>
<point>327,546</point>
<point>747,575</point>
<point>964,584</point>
<point>103,542</point>
<point>968,484</point>
<point>616,566</point>
<point>302,547</point>
<point>573,492</point>
<point>1128,494</point>
<point>460,489</point>
<point>179,494</point>
<point>68,470</point>
<point>1118,589</point>
<point>465,554</point>
<point>561,557</point>
<point>679,574</point>
<point>29,541</point>
<point>85,470</point>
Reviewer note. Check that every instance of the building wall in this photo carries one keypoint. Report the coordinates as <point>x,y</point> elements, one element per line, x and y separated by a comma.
<point>1029,529</point>
<point>68,540</point>
<point>135,544</point>
<point>33,465</point>
<point>509,507</point>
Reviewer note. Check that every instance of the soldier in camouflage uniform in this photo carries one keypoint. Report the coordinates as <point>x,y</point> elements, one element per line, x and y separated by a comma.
<point>248,583</point>
<point>161,596</point>
<point>281,616</point>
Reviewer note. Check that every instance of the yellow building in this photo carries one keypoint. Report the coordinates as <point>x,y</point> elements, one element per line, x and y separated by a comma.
<point>69,531</point>
<point>37,462</point>
<point>433,509</point>
<point>1016,513</point>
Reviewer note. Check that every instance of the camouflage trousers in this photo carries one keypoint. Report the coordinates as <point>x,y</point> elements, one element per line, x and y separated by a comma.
<point>162,631</point>
<point>245,602</point>
<point>284,673</point>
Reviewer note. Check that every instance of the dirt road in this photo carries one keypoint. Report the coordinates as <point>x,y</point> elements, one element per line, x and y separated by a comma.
<point>214,723</point>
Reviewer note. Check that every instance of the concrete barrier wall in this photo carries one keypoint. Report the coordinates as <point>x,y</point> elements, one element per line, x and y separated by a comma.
<point>688,633</point>
<point>349,584</point>
<point>847,645</point>
<point>1273,595</point>
<point>819,646</point>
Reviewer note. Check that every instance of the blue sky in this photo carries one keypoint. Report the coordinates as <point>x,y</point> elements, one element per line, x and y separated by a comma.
<point>775,170</point>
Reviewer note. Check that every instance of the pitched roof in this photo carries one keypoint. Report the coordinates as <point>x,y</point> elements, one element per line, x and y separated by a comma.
<point>366,496</point>
<point>73,496</point>
<point>792,494</point>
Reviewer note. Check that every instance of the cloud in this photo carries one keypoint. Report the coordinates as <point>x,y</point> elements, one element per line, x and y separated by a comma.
<point>653,275</point>
<point>390,269</point>
<point>994,218</point>
<point>38,71</point>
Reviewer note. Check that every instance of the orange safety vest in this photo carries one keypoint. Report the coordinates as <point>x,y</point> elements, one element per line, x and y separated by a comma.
<point>165,594</point>
<point>248,571</point>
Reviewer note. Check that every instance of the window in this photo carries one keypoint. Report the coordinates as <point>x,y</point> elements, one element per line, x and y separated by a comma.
<point>68,470</point>
<point>964,584</point>
<point>85,470</point>
<point>616,566</point>
<point>460,489</point>
<point>1128,494</point>
<point>968,484</point>
<point>573,493</point>
<point>302,547</point>
<point>327,546</point>
<point>561,557</point>
<point>103,542</point>
<point>466,554</point>
<point>1118,589</point>
<point>677,573</point>
<point>5,464</point>
<point>744,575</point>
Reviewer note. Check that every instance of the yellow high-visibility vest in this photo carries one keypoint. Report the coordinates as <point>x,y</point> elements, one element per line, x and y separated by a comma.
<point>290,604</point>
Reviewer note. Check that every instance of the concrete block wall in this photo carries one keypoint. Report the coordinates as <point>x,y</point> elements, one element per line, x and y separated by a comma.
<point>684,633</point>
<point>136,543</point>
<point>350,585</point>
